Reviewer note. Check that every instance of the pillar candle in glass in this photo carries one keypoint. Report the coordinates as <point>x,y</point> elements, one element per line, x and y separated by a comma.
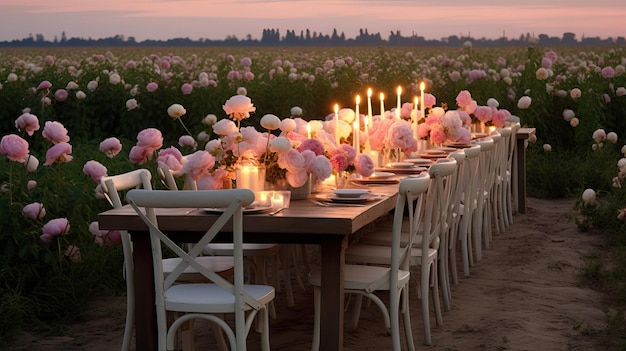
<point>367,135</point>
<point>357,126</point>
<point>369,106</point>
<point>399,107</point>
<point>422,107</point>
<point>337,137</point>
<point>415,123</point>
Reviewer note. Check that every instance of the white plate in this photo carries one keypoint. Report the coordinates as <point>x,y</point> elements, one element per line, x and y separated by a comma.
<point>350,193</point>
<point>356,200</point>
<point>435,152</point>
<point>246,210</point>
<point>400,165</point>
<point>420,161</point>
<point>381,175</point>
<point>370,181</point>
<point>412,169</point>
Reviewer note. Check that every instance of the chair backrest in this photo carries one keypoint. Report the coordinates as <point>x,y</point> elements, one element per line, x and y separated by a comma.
<point>437,203</point>
<point>145,203</point>
<point>410,199</point>
<point>167,177</point>
<point>113,185</point>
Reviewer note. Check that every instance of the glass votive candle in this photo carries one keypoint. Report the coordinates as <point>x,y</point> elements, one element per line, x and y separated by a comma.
<point>281,199</point>
<point>264,198</point>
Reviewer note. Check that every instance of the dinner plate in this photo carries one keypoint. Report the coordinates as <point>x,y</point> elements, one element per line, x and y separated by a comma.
<point>431,156</point>
<point>479,135</point>
<point>246,210</point>
<point>409,170</point>
<point>379,181</point>
<point>446,149</point>
<point>400,165</point>
<point>420,161</point>
<point>457,145</point>
<point>349,200</point>
<point>350,193</point>
<point>435,152</point>
<point>381,175</point>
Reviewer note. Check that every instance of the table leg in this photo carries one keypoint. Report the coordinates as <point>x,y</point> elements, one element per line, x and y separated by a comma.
<point>332,265</point>
<point>145,313</point>
<point>520,149</point>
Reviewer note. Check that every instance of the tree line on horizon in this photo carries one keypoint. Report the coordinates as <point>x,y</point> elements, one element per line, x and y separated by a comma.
<point>273,37</point>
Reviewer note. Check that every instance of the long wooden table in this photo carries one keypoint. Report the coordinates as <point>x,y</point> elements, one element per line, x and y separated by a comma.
<point>302,223</point>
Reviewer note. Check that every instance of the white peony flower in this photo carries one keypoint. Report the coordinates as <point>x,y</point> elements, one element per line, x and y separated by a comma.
<point>176,111</point>
<point>524,102</point>
<point>589,196</point>
<point>575,93</point>
<point>568,114</point>
<point>131,104</point>
<point>270,122</point>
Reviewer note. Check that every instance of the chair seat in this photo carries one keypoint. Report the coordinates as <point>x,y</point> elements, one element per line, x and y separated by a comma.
<point>211,298</point>
<point>248,249</point>
<point>218,264</point>
<point>359,277</point>
<point>378,254</point>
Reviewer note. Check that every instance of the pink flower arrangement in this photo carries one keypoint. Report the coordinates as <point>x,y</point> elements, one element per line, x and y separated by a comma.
<point>198,164</point>
<point>345,158</point>
<point>441,126</point>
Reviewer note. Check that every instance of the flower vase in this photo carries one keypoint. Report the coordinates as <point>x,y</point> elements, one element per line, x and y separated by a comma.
<point>301,192</point>
<point>297,193</point>
<point>422,145</point>
<point>390,156</point>
<point>249,176</point>
<point>341,179</point>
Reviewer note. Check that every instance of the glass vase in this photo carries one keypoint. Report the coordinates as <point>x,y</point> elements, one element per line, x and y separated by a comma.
<point>341,179</point>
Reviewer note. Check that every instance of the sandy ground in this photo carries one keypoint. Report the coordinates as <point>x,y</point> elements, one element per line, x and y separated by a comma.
<point>523,295</point>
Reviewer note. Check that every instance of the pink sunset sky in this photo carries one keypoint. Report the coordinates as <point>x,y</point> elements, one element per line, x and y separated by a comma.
<point>217,19</point>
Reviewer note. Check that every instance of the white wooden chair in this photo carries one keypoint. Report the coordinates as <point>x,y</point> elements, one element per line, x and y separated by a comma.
<point>257,255</point>
<point>112,186</point>
<point>391,274</point>
<point>481,222</point>
<point>426,244</point>
<point>203,300</point>
<point>470,179</point>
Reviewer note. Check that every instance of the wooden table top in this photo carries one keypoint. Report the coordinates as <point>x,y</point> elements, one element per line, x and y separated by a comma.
<point>302,216</point>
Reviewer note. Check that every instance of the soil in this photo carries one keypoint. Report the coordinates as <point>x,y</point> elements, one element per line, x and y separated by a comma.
<point>524,294</point>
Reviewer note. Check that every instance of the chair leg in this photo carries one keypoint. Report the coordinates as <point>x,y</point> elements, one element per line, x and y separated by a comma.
<point>317,300</point>
<point>187,335</point>
<point>130,322</point>
<point>219,337</point>
<point>285,259</point>
<point>425,287</point>
<point>356,313</point>
<point>408,332</point>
